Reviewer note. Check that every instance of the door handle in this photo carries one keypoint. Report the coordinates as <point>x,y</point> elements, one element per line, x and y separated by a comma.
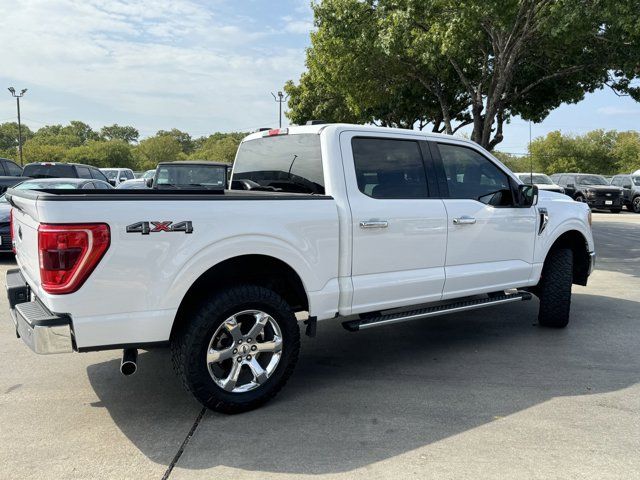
<point>464,220</point>
<point>374,224</point>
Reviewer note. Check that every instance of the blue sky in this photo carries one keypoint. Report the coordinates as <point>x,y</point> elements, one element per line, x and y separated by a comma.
<point>200,66</point>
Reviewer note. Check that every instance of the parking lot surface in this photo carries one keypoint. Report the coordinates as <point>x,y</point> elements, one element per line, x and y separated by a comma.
<point>485,394</point>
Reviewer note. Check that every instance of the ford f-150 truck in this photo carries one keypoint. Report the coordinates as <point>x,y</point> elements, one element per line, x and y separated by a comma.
<point>362,225</point>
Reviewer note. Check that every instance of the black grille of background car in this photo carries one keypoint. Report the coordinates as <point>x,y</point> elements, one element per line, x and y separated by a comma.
<point>608,195</point>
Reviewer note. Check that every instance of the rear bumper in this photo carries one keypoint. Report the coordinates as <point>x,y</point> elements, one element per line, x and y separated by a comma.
<point>42,331</point>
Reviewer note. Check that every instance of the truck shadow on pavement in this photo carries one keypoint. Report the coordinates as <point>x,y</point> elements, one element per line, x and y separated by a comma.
<point>359,398</point>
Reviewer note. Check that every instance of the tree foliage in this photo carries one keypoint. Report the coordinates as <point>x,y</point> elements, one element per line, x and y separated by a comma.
<point>598,151</point>
<point>117,132</point>
<point>218,147</point>
<point>450,63</point>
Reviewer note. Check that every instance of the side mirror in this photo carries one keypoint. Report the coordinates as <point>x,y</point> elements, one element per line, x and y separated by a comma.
<point>149,182</point>
<point>123,179</point>
<point>528,195</point>
<point>112,182</point>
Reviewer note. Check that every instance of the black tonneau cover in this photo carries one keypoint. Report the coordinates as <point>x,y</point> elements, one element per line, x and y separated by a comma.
<point>157,195</point>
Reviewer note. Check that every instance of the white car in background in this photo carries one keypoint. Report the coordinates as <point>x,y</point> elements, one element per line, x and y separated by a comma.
<point>118,175</point>
<point>540,180</point>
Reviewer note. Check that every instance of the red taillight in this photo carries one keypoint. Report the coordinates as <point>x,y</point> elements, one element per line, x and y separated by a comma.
<point>69,253</point>
<point>275,132</point>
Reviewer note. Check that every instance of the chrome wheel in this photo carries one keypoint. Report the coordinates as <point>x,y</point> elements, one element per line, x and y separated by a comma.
<point>244,351</point>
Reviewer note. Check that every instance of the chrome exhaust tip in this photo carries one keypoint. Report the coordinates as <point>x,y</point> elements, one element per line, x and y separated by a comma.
<point>129,364</point>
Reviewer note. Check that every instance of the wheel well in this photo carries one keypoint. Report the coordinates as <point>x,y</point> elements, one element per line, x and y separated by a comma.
<point>575,241</point>
<point>259,270</point>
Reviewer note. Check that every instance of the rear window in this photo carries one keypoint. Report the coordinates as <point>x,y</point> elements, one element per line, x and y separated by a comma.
<point>185,175</point>
<point>288,163</point>
<point>49,171</point>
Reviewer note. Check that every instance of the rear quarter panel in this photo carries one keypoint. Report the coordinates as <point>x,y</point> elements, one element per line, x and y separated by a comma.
<point>134,292</point>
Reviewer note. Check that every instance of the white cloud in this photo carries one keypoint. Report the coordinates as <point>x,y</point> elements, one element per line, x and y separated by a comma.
<point>177,63</point>
<point>299,26</point>
<point>618,111</point>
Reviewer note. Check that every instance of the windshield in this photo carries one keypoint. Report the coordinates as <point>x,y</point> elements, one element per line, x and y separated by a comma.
<point>636,181</point>
<point>110,174</point>
<point>33,185</point>
<point>185,175</point>
<point>288,163</point>
<point>49,171</point>
<point>592,180</point>
<point>538,179</point>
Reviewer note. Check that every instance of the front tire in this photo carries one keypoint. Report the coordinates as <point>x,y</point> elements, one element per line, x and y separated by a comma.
<point>635,205</point>
<point>554,289</point>
<point>237,349</point>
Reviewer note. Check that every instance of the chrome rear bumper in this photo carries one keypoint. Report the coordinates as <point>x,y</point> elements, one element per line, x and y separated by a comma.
<point>42,331</point>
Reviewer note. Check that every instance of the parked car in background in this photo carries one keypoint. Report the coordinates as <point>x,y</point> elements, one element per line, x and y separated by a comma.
<point>148,174</point>
<point>191,174</point>
<point>637,172</point>
<point>62,170</point>
<point>136,183</point>
<point>542,181</point>
<point>41,184</point>
<point>630,185</point>
<point>591,189</point>
<point>116,176</point>
<point>10,173</point>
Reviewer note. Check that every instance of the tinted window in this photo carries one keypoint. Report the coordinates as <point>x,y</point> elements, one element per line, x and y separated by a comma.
<point>616,181</point>
<point>193,176</point>
<point>592,180</point>
<point>473,176</point>
<point>49,171</point>
<point>290,163</point>
<point>129,174</point>
<point>83,172</point>
<point>626,182</point>
<point>110,174</point>
<point>389,168</point>
<point>97,174</point>
<point>12,169</point>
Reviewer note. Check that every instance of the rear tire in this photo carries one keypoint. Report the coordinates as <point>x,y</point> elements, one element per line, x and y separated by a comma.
<point>554,289</point>
<point>221,328</point>
<point>635,205</point>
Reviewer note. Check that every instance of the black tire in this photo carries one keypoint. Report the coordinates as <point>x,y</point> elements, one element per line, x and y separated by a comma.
<point>635,205</point>
<point>190,344</point>
<point>554,289</point>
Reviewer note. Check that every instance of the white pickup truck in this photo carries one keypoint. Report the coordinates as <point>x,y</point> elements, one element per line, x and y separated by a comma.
<point>362,225</point>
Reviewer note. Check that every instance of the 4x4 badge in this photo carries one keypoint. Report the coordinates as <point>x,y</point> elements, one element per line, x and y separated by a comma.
<point>145,228</point>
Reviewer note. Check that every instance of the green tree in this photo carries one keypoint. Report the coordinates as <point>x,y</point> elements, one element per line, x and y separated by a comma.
<point>515,163</point>
<point>627,151</point>
<point>114,153</point>
<point>183,138</point>
<point>153,150</point>
<point>480,61</point>
<point>36,152</point>
<point>117,132</point>
<point>219,148</point>
<point>9,135</point>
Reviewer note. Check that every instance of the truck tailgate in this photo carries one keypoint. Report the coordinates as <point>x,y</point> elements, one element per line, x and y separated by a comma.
<point>25,237</point>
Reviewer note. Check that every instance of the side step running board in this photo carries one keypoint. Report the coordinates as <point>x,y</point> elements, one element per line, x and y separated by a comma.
<point>386,319</point>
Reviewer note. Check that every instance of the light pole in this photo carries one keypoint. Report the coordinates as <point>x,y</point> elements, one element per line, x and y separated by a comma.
<point>280,99</point>
<point>18,96</point>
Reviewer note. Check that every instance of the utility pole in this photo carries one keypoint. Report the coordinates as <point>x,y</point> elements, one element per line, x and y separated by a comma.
<point>530,156</point>
<point>18,96</point>
<point>280,99</point>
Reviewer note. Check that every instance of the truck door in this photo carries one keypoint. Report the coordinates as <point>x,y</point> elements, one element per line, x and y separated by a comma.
<point>398,230</point>
<point>491,241</point>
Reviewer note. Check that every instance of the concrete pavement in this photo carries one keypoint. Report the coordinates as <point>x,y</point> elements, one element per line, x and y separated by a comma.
<point>485,394</point>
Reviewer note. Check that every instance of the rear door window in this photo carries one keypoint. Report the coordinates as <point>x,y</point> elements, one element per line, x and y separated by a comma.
<point>83,172</point>
<point>389,168</point>
<point>12,169</point>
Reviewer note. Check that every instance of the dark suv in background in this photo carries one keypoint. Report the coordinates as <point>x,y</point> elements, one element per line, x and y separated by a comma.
<point>593,190</point>
<point>630,185</point>
<point>62,170</point>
